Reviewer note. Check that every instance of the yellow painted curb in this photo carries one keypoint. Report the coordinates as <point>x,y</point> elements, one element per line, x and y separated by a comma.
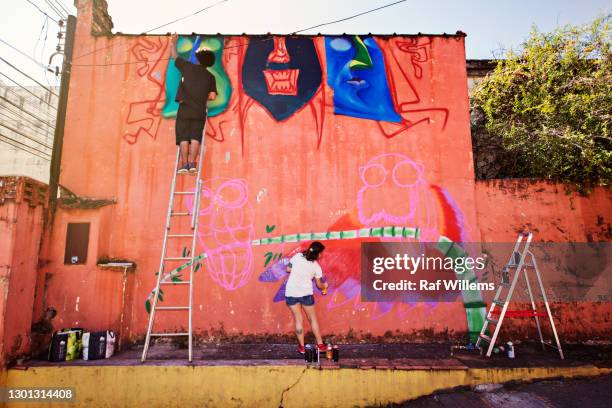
<point>261,386</point>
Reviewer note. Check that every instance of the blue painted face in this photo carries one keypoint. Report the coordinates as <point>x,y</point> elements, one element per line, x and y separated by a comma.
<point>356,73</point>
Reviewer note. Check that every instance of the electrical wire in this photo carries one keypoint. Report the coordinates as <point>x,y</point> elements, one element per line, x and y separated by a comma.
<point>29,77</point>
<point>242,45</point>
<point>40,10</point>
<point>350,17</point>
<point>155,28</point>
<point>62,6</point>
<point>55,10</point>
<point>12,129</point>
<point>17,146</point>
<point>27,90</point>
<point>37,130</point>
<point>26,111</point>
<point>43,128</point>
<point>26,55</point>
<point>42,113</point>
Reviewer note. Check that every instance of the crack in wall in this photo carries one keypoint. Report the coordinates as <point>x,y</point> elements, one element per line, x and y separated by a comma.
<point>280,405</point>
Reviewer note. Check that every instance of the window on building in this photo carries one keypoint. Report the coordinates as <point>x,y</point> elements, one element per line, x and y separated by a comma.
<point>77,241</point>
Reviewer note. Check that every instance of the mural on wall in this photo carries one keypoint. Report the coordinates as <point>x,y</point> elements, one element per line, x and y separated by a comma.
<point>225,231</point>
<point>408,103</point>
<point>415,203</point>
<point>144,115</point>
<point>186,48</point>
<point>283,77</point>
<point>356,73</point>
<point>281,74</point>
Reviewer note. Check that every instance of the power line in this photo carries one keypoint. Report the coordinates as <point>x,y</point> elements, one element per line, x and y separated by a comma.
<point>243,45</point>
<point>39,9</point>
<point>350,17</point>
<point>55,10</point>
<point>26,75</point>
<point>17,146</point>
<point>27,90</point>
<point>26,111</point>
<point>24,135</point>
<point>152,29</point>
<point>26,55</point>
<point>41,113</point>
<point>35,126</point>
<point>37,129</point>
<point>62,6</point>
<point>184,17</point>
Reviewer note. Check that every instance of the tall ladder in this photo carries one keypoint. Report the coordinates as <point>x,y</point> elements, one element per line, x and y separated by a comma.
<point>193,234</point>
<point>517,262</point>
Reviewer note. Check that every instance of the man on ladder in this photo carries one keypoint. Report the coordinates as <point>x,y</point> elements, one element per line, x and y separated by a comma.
<point>197,87</point>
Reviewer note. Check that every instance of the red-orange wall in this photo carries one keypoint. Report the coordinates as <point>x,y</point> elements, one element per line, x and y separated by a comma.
<point>300,175</point>
<point>21,226</point>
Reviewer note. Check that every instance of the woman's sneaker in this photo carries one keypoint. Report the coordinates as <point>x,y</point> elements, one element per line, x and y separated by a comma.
<point>301,350</point>
<point>193,168</point>
<point>183,169</point>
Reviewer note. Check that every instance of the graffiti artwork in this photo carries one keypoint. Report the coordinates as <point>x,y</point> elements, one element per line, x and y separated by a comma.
<point>383,113</point>
<point>356,73</point>
<point>282,74</point>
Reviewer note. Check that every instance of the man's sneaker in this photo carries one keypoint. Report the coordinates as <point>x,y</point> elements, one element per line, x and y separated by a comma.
<point>322,347</point>
<point>183,169</point>
<point>193,168</point>
<point>301,350</point>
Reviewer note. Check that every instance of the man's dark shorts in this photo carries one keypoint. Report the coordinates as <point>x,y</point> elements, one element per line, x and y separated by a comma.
<point>187,126</point>
<point>305,300</point>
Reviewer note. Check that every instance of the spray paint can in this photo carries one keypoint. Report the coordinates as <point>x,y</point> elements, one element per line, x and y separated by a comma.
<point>336,354</point>
<point>329,352</point>
<point>510,350</point>
<point>62,349</point>
<point>315,354</point>
<point>308,353</point>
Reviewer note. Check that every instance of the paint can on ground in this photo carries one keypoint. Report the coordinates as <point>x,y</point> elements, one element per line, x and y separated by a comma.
<point>329,351</point>
<point>336,354</point>
<point>308,353</point>
<point>510,350</point>
<point>315,354</point>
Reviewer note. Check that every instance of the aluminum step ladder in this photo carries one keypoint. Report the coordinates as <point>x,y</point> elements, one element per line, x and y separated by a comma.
<point>521,260</point>
<point>176,261</point>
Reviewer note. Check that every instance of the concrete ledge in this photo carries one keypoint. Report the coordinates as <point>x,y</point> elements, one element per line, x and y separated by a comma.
<point>263,386</point>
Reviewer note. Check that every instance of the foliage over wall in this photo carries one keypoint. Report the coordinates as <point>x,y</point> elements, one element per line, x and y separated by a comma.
<point>545,111</point>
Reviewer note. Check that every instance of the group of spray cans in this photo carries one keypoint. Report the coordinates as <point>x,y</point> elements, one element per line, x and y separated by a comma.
<point>313,354</point>
<point>508,349</point>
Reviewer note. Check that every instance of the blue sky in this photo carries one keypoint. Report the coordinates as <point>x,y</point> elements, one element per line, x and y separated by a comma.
<point>490,25</point>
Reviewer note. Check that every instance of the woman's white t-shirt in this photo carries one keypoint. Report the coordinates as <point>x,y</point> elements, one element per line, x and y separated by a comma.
<point>300,279</point>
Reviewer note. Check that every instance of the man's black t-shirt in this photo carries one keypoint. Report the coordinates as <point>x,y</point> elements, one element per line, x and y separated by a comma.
<point>196,84</point>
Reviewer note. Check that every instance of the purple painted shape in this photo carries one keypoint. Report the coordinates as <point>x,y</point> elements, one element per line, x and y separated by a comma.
<point>280,293</point>
<point>276,271</point>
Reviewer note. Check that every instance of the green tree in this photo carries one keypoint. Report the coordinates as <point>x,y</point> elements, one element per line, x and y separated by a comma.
<point>548,106</point>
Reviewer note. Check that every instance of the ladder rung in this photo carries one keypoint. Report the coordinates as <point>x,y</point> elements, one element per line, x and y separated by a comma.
<point>172,308</point>
<point>180,214</point>
<point>177,258</point>
<point>180,235</point>
<point>174,283</point>
<point>505,284</point>
<point>499,302</point>
<point>485,338</point>
<point>492,320</point>
<point>184,192</point>
<point>169,334</point>
<point>550,345</point>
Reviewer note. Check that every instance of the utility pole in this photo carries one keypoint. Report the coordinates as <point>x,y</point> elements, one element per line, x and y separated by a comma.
<point>58,139</point>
